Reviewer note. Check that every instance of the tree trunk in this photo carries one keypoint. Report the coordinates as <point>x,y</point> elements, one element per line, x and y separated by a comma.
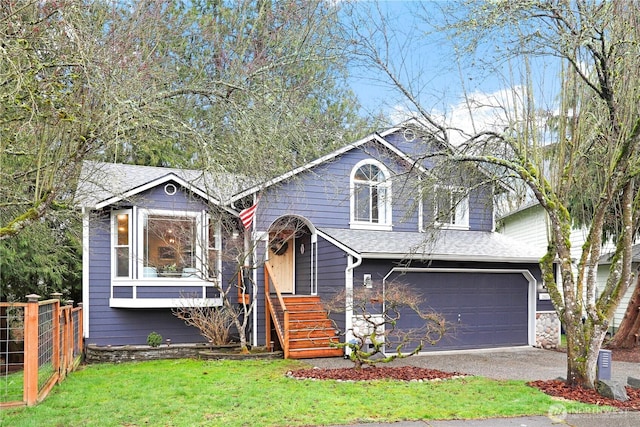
<point>584,341</point>
<point>627,334</point>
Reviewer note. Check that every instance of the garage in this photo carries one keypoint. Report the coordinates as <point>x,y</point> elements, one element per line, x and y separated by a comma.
<point>483,308</point>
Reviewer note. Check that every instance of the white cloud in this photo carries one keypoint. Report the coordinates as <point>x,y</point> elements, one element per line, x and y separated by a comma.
<point>479,112</point>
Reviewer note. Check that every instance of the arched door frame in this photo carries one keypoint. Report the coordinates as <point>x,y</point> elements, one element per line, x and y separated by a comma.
<point>314,247</point>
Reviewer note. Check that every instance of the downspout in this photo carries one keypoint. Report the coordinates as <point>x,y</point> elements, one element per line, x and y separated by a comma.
<point>348,276</point>
<point>85,272</point>
<point>249,242</point>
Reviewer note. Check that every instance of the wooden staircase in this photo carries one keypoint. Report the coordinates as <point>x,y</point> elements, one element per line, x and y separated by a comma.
<point>302,324</point>
<point>311,332</point>
<point>308,331</point>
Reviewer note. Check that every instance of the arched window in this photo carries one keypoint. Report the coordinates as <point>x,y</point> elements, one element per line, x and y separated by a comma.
<point>370,196</point>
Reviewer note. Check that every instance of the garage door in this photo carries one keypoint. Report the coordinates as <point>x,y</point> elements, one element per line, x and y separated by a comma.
<point>484,310</point>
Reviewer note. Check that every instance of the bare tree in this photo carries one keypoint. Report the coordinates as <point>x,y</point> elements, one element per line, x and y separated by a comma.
<point>378,335</point>
<point>250,87</point>
<point>591,145</point>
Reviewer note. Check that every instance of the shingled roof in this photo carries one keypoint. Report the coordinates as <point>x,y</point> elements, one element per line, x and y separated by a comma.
<point>102,183</point>
<point>442,244</point>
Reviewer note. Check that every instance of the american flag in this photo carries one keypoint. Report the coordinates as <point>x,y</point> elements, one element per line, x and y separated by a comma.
<point>246,215</point>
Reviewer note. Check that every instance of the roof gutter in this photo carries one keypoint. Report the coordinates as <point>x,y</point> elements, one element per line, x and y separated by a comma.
<point>453,257</point>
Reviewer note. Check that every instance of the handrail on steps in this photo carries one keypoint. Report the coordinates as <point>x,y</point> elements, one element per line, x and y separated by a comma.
<point>281,330</point>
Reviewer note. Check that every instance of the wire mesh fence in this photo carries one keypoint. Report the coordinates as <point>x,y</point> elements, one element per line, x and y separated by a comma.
<point>11,351</point>
<point>46,327</point>
<point>40,342</point>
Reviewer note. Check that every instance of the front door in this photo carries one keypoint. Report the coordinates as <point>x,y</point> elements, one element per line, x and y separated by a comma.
<point>281,260</point>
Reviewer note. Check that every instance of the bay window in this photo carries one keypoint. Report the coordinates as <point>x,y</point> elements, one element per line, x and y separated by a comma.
<point>149,244</point>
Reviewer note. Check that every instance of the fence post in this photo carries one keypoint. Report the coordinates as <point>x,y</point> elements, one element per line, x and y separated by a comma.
<point>80,320</point>
<point>57,365</point>
<point>31,350</point>
<point>68,333</point>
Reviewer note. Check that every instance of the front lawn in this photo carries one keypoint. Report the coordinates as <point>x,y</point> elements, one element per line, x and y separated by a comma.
<point>246,393</point>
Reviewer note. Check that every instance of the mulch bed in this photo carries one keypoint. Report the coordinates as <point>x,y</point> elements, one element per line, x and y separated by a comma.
<point>404,373</point>
<point>559,388</point>
<point>626,355</point>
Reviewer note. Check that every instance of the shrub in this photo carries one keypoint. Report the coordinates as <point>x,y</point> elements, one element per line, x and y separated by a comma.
<point>154,339</point>
<point>214,323</point>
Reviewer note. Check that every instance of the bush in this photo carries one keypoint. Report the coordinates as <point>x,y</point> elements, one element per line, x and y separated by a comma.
<point>214,323</point>
<point>154,339</point>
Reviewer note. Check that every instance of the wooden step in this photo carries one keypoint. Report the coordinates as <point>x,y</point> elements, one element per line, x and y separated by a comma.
<point>307,315</point>
<point>311,342</point>
<point>312,333</point>
<point>292,299</point>
<point>310,353</point>
<point>311,323</point>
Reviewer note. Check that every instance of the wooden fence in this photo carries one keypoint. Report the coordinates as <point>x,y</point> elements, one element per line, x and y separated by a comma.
<point>40,342</point>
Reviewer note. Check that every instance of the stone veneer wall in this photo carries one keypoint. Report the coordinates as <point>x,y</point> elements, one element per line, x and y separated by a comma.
<point>547,329</point>
<point>126,353</point>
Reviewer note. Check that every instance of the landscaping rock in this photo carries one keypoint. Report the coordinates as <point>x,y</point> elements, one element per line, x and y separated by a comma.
<point>612,390</point>
<point>633,382</point>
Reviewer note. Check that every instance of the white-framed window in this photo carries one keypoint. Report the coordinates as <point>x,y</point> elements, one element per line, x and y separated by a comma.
<point>214,246</point>
<point>170,243</point>
<point>121,242</point>
<point>451,207</point>
<point>370,196</point>
<point>152,244</point>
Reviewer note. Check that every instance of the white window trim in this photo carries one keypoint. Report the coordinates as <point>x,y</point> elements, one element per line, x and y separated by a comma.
<point>463,206</point>
<point>208,247</point>
<point>386,223</point>
<point>142,213</point>
<point>114,243</point>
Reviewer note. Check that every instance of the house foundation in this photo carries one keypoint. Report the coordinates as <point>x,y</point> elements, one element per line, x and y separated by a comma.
<point>547,330</point>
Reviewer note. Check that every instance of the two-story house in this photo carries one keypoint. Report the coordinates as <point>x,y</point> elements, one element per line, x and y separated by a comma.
<point>370,213</point>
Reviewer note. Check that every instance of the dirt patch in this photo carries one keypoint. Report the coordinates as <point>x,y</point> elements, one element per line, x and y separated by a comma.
<point>624,355</point>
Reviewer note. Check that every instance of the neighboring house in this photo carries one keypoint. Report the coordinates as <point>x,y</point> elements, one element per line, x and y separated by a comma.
<point>603,272</point>
<point>530,224</point>
<point>364,215</point>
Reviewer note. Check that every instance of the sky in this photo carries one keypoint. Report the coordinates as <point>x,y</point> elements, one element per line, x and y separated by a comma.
<point>429,66</point>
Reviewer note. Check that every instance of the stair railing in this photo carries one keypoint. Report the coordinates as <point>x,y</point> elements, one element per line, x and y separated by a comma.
<point>276,310</point>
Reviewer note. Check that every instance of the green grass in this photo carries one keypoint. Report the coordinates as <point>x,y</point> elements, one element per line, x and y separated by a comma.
<point>247,393</point>
<point>11,387</point>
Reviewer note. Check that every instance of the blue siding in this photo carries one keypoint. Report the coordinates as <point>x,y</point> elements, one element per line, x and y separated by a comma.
<point>303,264</point>
<point>481,208</point>
<point>259,306</point>
<point>169,291</point>
<point>123,291</point>
<point>156,198</point>
<point>138,324</point>
<point>322,194</point>
<point>99,279</point>
<point>332,264</point>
